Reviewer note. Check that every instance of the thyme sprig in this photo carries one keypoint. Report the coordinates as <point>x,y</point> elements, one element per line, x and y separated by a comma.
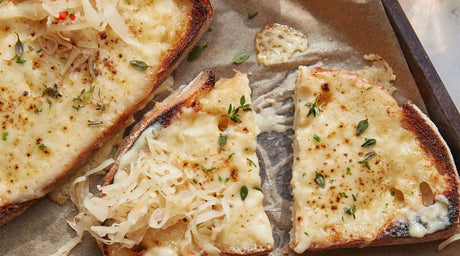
<point>233,111</point>
<point>314,109</point>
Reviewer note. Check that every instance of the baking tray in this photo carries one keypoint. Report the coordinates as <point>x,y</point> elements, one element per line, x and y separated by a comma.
<point>440,106</point>
<point>43,229</point>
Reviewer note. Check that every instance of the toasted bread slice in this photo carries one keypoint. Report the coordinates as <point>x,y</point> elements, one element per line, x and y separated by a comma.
<point>72,73</point>
<point>366,171</point>
<point>186,180</point>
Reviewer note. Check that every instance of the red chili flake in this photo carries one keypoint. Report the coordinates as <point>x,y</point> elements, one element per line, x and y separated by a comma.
<point>62,15</point>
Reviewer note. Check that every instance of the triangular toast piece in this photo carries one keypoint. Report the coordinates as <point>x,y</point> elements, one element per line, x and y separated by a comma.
<point>72,74</point>
<point>186,180</point>
<point>366,171</point>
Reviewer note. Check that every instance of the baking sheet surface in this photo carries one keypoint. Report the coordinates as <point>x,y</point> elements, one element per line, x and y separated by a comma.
<point>340,32</point>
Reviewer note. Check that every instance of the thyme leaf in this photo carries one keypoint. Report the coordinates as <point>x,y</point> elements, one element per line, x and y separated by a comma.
<point>362,126</point>
<point>196,51</point>
<point>319,179</point>
<point>369,143</point>
<point>241,57</point>
<point>222,141</point>
<point>243,192</point>
<point>138,65</point>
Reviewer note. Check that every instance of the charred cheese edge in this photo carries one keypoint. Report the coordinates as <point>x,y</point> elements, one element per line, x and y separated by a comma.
<point>190,183</point>
<point>346,194</point>
<point>49,119</point>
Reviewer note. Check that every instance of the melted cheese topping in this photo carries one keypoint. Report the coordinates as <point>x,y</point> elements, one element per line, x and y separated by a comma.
<point>45,114</point>
<point>178,189</point>
<point>276,44</point>
<point>344,192</point>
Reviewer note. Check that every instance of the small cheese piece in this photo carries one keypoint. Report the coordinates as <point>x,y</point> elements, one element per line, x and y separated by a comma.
<point>277,43</point>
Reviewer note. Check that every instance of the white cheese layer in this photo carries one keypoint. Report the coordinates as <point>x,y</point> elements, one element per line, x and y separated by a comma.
<point>44,132</point>
<point>344,192</point>
<point>181,189</point>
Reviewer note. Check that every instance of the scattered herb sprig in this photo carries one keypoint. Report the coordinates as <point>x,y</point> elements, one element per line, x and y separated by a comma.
<point>319,179</point>
<point>366,158</point>
<point>351,210</point>
<point>314,109</point>
<point>233,111</point>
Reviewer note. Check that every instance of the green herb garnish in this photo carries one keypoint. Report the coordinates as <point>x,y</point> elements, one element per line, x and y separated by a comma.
<point>241,57</point>
<point>351,210</point>
<point>94,123</point>
<point>138,65</point>
<point>196,51</point>
<point>367,157</point>
<point>314,109</point>
<point>20,60</point>
<point>251,162</point>
<point>5,136</point>
<point>51,91</point>
<point>319,179</point>
<point>233,112</point>
<point>207,169</point>
<point>222,141</point>
<point>243,192</point>
<point>42,146</point>
<point>19,48</point>
<point>369,143</point>
<point>37,110</point>
<point>362,126</point>
<point>78,107</point>
<point>316,137</point>
<point>252,15</point>
<point>306,234</point>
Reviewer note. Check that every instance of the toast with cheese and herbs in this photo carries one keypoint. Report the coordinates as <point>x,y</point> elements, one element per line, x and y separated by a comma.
<point>72,73</point>
<point>366,171</point>
<point>186,180</point>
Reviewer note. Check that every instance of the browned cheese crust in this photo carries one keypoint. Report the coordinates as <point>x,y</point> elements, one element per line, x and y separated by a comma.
<point>427,138</point>
<point>200,18</point>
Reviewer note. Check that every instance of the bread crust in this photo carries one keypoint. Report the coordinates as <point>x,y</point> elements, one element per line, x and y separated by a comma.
<point>200,18</point>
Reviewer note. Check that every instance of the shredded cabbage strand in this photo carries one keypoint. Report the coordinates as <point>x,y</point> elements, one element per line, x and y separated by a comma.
<point>76,38</point>
<point>148,193</point>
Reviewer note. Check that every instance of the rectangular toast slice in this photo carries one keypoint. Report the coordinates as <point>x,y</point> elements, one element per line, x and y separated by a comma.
<point>74,72</point>
<point>186,180</point>
<point>366,171</point>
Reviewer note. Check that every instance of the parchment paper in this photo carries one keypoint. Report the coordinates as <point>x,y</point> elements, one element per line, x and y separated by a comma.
<point>340,32</point>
